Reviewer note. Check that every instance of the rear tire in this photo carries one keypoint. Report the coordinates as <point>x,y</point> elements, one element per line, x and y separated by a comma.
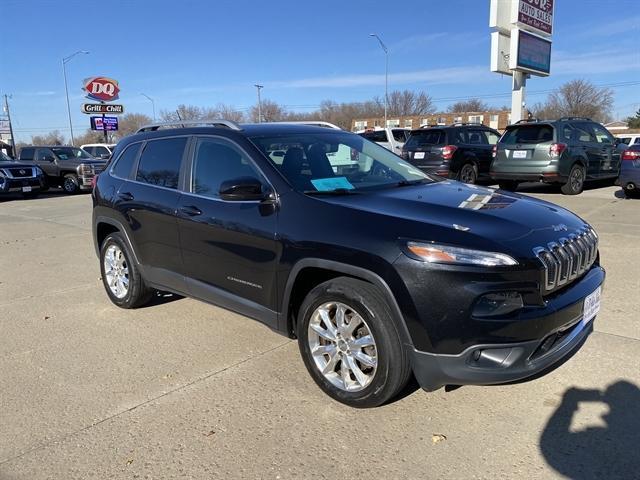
<point>575,182</point>
<point>70,183</point>
<point>468,173</point>
<point>120,275</point>
<point>351,344</point>
<point>509,185</point>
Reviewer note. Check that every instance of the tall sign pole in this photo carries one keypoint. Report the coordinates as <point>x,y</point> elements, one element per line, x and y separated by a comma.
<point>259,87</point>
<point>521,44</point>
<point>13,139</point>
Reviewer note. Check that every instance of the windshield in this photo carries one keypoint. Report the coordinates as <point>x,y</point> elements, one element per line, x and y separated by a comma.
<point>67,153</point>
<point>336,162</point>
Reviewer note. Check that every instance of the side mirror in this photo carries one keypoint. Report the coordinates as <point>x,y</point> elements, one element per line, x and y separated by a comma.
<point>49,158</point>
<point>242,189</point>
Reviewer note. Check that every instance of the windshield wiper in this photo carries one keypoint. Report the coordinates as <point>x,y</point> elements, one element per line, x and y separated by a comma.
<point>337,191</point>
<point>406,183</point>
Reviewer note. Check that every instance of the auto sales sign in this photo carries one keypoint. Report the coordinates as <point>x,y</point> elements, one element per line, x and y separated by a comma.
<point>102,89</point>
<point>536,15</point>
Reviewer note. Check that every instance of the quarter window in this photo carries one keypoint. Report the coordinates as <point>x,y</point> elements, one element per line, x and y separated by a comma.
<point>160,162</point>
<point>216,161</point>
<point>124,164</point>
<point>26,154</point>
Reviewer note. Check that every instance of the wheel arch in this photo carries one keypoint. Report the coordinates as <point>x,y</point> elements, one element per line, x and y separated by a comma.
<point>105,226</point>
<point>310,272</point>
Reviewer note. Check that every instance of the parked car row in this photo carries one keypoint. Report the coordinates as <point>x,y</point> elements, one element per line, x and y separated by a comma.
<point>568,152</point>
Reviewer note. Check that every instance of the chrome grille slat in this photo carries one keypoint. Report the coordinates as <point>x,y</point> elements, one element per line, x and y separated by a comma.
<point>568,258</point>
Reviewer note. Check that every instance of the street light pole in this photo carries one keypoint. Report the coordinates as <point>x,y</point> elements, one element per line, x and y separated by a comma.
<point>259,87</point>
<point>153,104</point>
<point>65,60</point>
<point>386,76</point>
<point>14,154</point>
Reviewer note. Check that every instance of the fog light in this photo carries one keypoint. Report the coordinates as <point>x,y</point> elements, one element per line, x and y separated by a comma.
<point>497,304</point>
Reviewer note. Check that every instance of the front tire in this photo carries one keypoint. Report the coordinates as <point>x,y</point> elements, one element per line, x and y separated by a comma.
<point>120,275</point>
<point>575,182</point>
<point>70,184</point>
<point>351,344</point>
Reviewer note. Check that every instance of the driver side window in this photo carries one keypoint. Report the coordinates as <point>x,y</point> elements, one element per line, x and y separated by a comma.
<point>43,155</point>
<point>216,161</point>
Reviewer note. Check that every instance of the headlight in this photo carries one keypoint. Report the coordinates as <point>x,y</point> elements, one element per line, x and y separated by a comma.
<point>39,171</point>
<point>435,253</point>
<point>85,169</point>
<point>2,173</point>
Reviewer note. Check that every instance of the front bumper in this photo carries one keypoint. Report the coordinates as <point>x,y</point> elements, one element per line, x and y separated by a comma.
<point>561,331</point>
<point>31,184</point>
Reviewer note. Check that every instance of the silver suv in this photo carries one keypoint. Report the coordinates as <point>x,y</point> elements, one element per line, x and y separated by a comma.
<point>567,151</point>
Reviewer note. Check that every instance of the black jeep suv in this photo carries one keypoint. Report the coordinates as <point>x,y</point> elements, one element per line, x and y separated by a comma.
<point>461,151</point>
<point>378,269</point>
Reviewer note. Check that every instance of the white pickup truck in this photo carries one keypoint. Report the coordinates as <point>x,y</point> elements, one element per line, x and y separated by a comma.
<point>390,138</point>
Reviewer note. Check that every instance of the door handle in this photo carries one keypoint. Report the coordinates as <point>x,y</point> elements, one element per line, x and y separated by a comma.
<point>126,196</point>
<point>190,210</point>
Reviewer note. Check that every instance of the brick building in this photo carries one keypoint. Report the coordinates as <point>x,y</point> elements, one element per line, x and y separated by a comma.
<point>497,119</point>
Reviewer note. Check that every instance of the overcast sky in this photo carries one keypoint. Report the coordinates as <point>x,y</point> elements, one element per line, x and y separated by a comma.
<point>205,52</point>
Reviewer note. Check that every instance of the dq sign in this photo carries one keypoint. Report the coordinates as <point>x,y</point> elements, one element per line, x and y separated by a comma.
<point>102,89</point>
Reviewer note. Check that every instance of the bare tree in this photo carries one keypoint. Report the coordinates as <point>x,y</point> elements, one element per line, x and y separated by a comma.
<point>89,136</point>
<point>405,103</point>
<point>471,105</point>
<point>577,98</point>
<point>271,112</point>
<point>131,122</point>
<point>51,138</point>
<point>228,112</point>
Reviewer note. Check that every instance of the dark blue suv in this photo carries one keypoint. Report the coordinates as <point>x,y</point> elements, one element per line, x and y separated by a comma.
<point>380,270</point>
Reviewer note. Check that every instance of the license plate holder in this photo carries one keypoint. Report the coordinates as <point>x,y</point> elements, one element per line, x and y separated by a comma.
<point>591,305</point>
<point>26,189</point>
<point>519,154</point>
<point>418,155</point>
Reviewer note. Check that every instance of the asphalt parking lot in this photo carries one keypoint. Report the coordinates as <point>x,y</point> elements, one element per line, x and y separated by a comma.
<point>182,389</point>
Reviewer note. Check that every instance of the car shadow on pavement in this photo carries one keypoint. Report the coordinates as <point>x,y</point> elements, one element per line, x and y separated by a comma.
<point>595,452</point>
<point>160,298</point>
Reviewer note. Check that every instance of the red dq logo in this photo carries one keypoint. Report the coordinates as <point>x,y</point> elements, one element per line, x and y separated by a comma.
<point>102,89</point>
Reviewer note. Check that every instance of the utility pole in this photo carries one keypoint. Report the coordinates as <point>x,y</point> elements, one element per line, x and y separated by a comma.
<point>153,104</point>
<point>65,60</point>
<point>13,139</point>
<point>259,87</point>
<point>386,76</point>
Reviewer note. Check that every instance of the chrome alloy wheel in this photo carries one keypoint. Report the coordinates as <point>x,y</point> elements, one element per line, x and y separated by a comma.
<point>116,271</point>
<point>342,346</point>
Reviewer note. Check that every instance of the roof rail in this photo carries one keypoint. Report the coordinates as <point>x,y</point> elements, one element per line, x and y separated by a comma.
<point>463,124</point>
<point>529,120</point>
<point>190,123</point>
<point>575,118</point>
<point>313,123</point>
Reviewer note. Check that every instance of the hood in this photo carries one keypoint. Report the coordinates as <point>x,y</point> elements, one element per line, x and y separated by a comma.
<point>16,165</point>
<point>497,215</point>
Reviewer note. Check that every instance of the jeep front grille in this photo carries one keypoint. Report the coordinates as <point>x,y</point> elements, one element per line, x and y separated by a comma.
<point>568,258</point>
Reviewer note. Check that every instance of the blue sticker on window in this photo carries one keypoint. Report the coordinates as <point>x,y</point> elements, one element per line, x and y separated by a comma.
<point>332,183</point>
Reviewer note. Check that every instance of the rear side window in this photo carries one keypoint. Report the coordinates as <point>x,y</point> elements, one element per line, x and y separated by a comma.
<point>160,162</point>
<point>583,134</point>
<point>26,153</point>
<point>377,136</point>
<point>124,164</point>
<point>425,138</point>
<point>399,135</point>
<point>528,134</point>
